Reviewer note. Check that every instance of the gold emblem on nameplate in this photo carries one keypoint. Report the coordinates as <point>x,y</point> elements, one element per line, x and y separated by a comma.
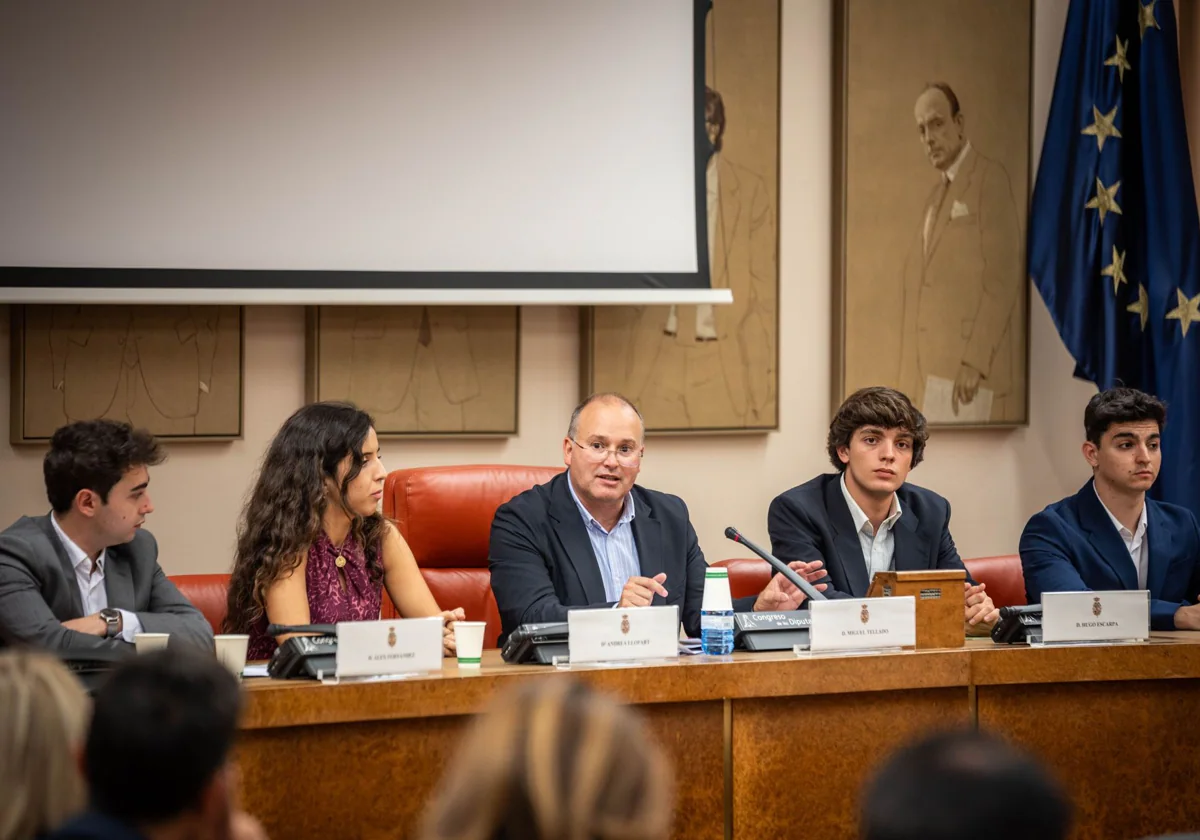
<point>865,615</point>
<point>340,561</point>
<point>391,637</point>
<point>625,624</point>
<point>1096,608</point>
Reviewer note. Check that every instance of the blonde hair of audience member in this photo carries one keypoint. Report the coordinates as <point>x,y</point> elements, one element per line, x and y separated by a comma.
<point>554,760</point>
<point>41,731</point>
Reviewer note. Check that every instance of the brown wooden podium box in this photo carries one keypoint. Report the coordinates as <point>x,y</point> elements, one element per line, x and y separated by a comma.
<point>939,597</point>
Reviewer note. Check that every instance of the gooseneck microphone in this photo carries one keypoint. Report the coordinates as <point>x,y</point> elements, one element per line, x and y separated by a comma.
<point>779,566</point>
<point>317,629</point>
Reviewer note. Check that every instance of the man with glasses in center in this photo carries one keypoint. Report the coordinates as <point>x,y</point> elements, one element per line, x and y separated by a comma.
<point>591,538</point>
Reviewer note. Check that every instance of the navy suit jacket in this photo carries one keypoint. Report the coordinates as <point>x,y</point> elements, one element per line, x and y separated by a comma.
<point>1073,546</point>
<point>542,561</point>
<point>813,522</point>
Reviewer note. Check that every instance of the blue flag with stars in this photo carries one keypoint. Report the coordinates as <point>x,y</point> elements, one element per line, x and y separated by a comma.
<point>1114,238</point>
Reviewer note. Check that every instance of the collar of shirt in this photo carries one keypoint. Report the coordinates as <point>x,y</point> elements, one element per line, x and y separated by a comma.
<point>590,521</point>
<point>952,171</point>
<point>75,554</point>
<point>861,522</point>
<point>1125,533</point>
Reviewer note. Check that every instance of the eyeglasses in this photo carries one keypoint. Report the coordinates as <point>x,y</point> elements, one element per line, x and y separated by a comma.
<point>597,453</point>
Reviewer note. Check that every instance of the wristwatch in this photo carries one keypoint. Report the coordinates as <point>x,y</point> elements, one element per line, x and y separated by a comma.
<point>112,618</point>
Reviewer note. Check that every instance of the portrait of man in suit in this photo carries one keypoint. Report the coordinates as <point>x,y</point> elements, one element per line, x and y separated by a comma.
<point>932,182</point>
<point>705,367</point>
<point>963,277</point>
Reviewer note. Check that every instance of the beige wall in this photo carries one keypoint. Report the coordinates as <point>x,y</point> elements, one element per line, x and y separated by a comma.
<point>994,480</point>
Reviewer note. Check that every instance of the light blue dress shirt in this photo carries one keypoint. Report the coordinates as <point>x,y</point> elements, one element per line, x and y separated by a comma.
<point>615,550</point>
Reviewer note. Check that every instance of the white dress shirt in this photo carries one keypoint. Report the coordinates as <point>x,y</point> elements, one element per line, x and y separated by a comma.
<point>1135,541</point>
<point>878,547</point>
<point>90,578</point>
<point>943,187</point>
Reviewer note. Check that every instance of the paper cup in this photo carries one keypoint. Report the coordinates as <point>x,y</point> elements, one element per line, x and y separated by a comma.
<point>717,597</point>
<point>468,639</point>
<point>231,651</point>
<point>146,642</point>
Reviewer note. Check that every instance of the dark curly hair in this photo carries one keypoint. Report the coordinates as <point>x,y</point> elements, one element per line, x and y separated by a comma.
<point>94,455</point>
<point>1121,405</point>
<point>284,514</point>
<point>886,408</point>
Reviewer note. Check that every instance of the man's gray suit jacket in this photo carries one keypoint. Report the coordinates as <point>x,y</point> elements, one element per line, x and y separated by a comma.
<point>38,592</point>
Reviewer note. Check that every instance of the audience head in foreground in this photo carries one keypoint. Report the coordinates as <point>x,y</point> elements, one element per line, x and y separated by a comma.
<point>85,577</point>
<point>44,718</point>
<point>554,760</point>
<point>157,756</point>
<point>312,544</point>
<point>954,785</point>
<point>876,437</point>
<point>1110,535</point>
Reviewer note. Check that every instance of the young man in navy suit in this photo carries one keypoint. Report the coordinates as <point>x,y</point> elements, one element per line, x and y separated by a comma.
<point>864,519</point>
<point>1109,535</point>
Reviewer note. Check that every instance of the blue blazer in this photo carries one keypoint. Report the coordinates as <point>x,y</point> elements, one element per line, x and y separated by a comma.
<point>1072,546</point>
<point>813,522</point>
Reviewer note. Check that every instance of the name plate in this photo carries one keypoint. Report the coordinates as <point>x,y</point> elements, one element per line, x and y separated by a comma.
<point>378,648</point>
<point>786,620</point>
<point>863,623</point>
<point>617,635</point>
<point>1095,616</point>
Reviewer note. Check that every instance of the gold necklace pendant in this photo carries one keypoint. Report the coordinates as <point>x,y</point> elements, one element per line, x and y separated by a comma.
<point>340,561</point>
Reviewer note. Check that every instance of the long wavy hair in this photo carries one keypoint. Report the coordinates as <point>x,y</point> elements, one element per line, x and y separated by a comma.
<point>286,509</point>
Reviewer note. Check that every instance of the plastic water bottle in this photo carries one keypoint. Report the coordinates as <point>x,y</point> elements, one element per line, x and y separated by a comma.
<point>716,613</point>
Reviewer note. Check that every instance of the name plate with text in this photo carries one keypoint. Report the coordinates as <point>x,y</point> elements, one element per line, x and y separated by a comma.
<point>616,635</point>
<point>378,648</point>
<point>863,623</point>
<point>1120,615</point>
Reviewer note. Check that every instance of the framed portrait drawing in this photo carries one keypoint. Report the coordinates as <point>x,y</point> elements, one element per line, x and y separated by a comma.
<point>174,370</point>
<point>428,371</point>
<point>932,185</point>
<point>704,368</point>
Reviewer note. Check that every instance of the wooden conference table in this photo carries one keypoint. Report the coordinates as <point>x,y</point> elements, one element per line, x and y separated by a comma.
<point>764,745</point>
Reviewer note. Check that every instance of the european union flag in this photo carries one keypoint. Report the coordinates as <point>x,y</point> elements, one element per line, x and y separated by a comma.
<point>1114,239</point>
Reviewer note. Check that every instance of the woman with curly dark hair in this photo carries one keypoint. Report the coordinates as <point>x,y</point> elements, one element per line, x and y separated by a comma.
<point>312,545</point>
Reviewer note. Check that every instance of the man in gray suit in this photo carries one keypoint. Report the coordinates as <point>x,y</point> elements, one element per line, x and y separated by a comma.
<point>86,577</point>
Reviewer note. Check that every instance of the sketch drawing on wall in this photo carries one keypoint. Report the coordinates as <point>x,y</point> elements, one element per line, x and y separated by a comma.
<point>175,370</point>
<point>419,369</point>
<point>932,139</point>
<point>714,368</point>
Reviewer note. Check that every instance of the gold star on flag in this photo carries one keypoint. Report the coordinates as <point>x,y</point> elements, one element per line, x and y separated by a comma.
<point>1119,60</point>
<point>1146,18</point>
<point>1141,306</point>
<point>1186,312</point>
<point>1102,127</point>
<point>1116,270</point>
<point>1105,200</point>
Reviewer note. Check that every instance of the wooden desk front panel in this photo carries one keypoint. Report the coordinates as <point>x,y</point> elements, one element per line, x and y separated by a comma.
<point>800,762</point>
<point>372,780</point>
<point>1123,750</point>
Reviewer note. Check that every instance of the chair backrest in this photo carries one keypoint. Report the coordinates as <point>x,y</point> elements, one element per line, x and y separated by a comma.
<point>747,575</point>
<point>1003,576</point>
<point>445,515</point>
<point>208,593</point>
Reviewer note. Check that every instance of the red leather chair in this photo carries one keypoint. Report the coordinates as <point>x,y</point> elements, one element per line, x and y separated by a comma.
<point>445,515</point>
<point>208,593</point>
<point>1003,576</point>
<point>747,575</point>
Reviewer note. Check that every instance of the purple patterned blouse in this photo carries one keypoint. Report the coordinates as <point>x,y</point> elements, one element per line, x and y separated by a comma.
<point>329,601</point>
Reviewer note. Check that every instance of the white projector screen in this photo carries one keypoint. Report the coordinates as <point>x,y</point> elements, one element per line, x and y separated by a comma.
<point>371,144</point>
